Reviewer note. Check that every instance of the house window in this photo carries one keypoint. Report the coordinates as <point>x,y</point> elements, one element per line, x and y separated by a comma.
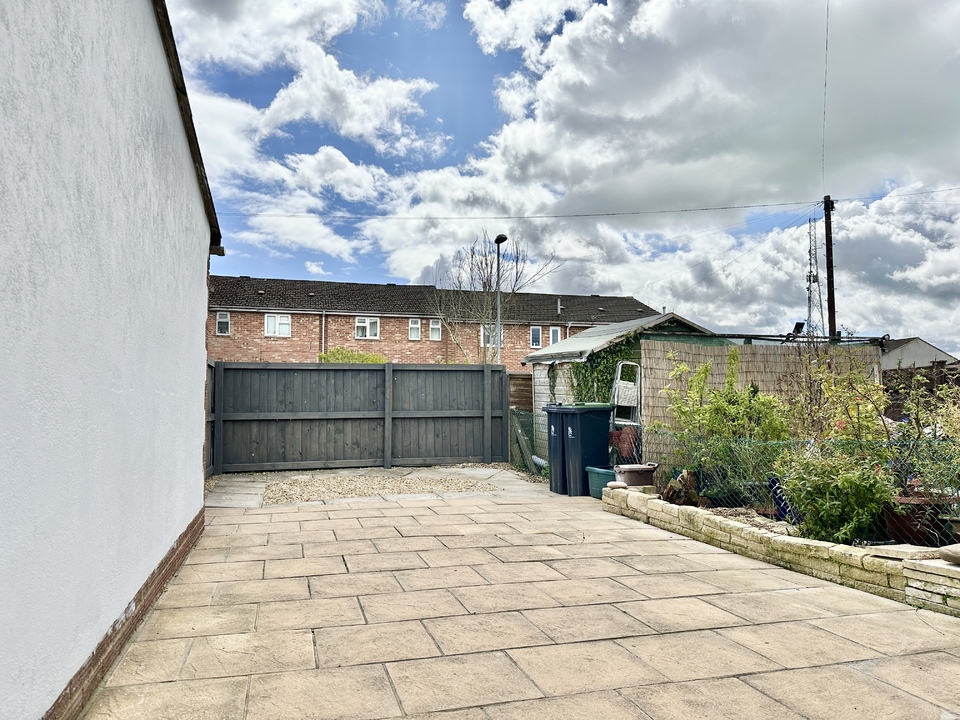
<point>487,332</point>
<point>276,325</point>
<point>413,332</point>
<point>536,336</point>
<point>555,335</point>
<point>367,328</point>
<point>223,323</point>
<point>434,329</point>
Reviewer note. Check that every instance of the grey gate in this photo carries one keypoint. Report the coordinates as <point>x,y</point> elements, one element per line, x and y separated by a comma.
<point>279,416</point>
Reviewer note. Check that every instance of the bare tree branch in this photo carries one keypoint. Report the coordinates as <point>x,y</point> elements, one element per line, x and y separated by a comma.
<point>466,297</point>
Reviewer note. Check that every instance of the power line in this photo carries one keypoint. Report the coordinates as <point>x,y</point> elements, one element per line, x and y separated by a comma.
<point>560,216</point>
<point>707,259</point>
<point>745,276</point>
<point>796,218</point>
<point>898,195</point>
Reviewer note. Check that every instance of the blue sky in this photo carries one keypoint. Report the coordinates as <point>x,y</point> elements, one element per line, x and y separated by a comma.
<point>369,141</point>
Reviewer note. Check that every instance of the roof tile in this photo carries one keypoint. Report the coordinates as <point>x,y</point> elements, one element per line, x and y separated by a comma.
<point>243,292</point>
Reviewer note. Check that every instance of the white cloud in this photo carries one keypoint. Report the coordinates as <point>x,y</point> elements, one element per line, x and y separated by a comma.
<point>630,106</point>
<point>315,268</point>
<point>330,168</point>
<point>370,111</point>
<point>250,35</point>
<point>430,14</point>
<point>515,95</point>
<point>229,135</point>
<point>521,25</point>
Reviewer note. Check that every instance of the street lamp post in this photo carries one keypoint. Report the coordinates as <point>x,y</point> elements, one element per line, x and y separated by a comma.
<point>499,240</point>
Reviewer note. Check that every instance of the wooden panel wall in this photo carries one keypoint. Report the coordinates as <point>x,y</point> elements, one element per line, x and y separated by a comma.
<point>208,421</point>
<point>521,391</point>
<point>299,416</point>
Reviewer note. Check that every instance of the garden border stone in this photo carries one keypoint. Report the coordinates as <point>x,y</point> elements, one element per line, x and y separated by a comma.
<point>908,573</point>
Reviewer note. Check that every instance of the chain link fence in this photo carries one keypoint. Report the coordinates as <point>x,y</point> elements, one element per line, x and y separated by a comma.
<point>738,473</point>
<point>842,487</point>
<point>529,449</point>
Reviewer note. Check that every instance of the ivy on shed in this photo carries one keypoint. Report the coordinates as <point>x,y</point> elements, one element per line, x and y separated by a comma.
<point>592,379</point>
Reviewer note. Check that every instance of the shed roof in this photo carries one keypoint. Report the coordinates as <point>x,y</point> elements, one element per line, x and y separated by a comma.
<point>248,293</point>
<point>579,347</point>
<point>896,349</point>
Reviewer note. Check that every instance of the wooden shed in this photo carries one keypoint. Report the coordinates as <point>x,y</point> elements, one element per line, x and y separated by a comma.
<point>657,344</point>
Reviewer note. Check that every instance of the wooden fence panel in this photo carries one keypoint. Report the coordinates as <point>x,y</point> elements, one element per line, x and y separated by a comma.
<point>209,418</point>
<point>272,416</point>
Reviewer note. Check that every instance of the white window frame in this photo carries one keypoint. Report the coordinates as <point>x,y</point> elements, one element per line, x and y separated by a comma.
<point>438,326</point>
<point>365,323</point>
<point>281,322</point>
<point>559,333</point>
<point>539,342</point>
<point>223,317</point>
<point>490,330</point>
<point>413,328</point>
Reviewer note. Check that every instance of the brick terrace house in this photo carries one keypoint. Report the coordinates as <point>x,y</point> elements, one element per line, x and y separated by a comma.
<point>264,320</point>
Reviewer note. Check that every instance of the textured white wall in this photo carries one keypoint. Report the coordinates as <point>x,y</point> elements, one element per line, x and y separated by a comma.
<point>103,244</point>
<point>918,353</point>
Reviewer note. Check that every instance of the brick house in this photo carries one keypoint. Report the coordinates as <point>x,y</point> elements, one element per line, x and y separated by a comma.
<point>265,320</point>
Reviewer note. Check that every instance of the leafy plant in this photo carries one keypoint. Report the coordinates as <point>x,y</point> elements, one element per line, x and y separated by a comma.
<point>840,495</point>
<point>592,379</point>
<point>729,412</point>
<point>344,355</point>
<point>726,434</point>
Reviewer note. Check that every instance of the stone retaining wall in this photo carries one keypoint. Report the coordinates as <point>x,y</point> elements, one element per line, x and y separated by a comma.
<point>907,573</point>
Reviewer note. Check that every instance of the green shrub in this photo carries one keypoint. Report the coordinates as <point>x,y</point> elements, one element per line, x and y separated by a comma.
<point>343,355</point>
<point>840,495</point>
<point>725,413</point>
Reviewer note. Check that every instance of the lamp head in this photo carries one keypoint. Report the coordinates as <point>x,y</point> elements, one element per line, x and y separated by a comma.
<point>500,239</point>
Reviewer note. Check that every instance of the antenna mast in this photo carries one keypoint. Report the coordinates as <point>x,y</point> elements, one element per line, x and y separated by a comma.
<point>814,298</point>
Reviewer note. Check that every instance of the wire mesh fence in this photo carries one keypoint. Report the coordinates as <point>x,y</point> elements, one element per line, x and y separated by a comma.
<point>832,491</point>
<point>529,447</point>
<point>838,489</point>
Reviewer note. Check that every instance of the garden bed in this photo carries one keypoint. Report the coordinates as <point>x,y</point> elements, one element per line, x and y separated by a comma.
<point>907,573</point>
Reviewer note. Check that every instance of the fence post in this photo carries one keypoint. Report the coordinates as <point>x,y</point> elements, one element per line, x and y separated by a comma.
<point>218,398</point>
<point>505,407</point>
<point>487,415</point>
<point>388,415</point>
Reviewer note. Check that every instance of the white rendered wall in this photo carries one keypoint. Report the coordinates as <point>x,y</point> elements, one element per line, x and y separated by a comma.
<point>103,243</point>
<point>917,353</point>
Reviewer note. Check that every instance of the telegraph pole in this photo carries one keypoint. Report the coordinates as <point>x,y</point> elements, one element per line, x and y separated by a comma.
<point>828,242</point>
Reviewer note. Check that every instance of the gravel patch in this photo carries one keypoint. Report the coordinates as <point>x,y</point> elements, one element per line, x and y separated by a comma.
<point>299,490</point>
<point>752,517</point>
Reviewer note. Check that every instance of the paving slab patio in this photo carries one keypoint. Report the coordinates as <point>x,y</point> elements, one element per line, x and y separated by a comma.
<point>508,605</point>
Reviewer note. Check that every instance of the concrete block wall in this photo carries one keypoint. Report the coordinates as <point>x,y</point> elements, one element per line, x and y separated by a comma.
<point>906,573</point>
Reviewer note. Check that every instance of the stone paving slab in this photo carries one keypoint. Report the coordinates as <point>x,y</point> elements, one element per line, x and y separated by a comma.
<point>512,605</point>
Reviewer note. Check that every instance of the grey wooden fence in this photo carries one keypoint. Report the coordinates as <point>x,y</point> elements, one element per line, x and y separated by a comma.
<point>209,418</point>
<point>280,416</point>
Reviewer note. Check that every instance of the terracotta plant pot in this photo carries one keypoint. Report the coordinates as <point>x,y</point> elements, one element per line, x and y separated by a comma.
<point>918,522</point>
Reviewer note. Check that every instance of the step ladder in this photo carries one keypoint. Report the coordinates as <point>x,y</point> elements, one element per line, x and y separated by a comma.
<point>625,394</point>
<point>625,416</point>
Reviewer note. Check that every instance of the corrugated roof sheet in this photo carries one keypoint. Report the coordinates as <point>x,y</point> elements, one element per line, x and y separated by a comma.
<point>581,345</point>
<point>228,292</point>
